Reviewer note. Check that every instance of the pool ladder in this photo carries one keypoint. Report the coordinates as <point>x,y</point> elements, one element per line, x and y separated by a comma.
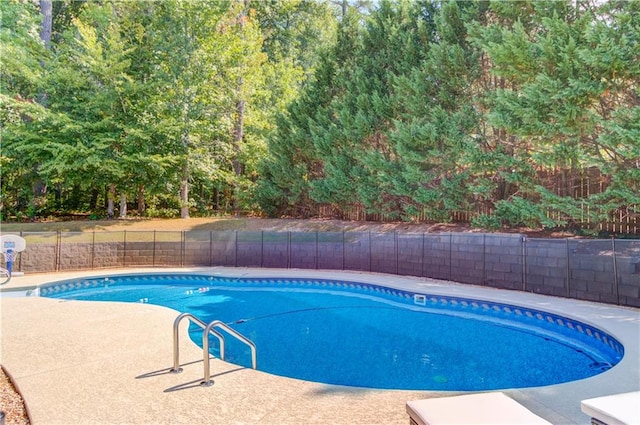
<point>208,329</point>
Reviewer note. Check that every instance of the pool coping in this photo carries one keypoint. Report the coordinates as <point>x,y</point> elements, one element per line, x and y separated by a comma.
<point>556,403</point>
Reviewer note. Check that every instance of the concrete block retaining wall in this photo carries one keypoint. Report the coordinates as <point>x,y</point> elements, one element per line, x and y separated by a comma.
<point>330,251</point>
<point>304,250</point>
<point>410,255</point>
<point>597,270</point>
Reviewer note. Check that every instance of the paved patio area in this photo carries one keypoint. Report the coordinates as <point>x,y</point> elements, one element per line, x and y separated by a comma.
<point>106,363</point>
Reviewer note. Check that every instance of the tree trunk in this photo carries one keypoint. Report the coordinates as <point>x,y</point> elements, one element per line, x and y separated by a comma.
<point>216,198</point>
<point>238,126</point>
<point>39,188</point>
<point>142,206</point>
<point>123,205</point>
<point>93,203</point>
<point>238,135</point>
<point>184,191</point>
<point>110,197</point>
<point>46,8</point>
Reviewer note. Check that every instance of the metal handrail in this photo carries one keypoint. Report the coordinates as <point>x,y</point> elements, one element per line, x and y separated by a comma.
<point>205,347</point>
<point>176,345</point>
<point>208,329</point>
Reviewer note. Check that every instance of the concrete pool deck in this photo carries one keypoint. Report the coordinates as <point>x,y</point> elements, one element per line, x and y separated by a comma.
<point>80,362</point>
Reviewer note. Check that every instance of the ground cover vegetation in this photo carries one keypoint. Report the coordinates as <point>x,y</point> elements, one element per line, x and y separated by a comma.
<point>502,113</point>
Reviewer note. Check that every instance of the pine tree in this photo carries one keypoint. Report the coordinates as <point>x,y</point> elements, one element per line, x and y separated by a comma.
<point>567,72</point>
<point>438,116</point>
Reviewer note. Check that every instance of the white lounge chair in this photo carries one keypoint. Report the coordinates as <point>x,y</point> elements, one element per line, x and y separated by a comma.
<point>484,408</point>
<point>617,409</point>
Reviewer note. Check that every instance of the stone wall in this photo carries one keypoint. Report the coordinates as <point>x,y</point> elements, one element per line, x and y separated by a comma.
<point>597,270</point>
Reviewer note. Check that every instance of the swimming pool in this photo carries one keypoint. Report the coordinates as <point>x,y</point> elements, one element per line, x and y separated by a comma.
<point>365,335</point>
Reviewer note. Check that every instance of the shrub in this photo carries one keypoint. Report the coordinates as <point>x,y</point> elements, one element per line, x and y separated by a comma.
<point>486,221</point>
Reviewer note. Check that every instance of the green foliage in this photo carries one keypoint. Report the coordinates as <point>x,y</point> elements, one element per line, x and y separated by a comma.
<point>429,108</point>
<point>521,212</point>
<point>153,212</point>
<point>414,110</point>
<point>142,95</point>
<point>487,221</point>
<point>22,50</point>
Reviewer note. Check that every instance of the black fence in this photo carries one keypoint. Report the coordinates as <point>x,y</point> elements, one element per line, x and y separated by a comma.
<point>598,270</point>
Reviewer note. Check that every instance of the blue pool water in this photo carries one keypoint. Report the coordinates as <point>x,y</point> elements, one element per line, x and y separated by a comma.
<point>368,336</point>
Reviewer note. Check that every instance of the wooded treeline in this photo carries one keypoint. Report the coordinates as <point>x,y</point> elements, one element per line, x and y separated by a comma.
<point>516,113</point>
<point>164,105</point>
